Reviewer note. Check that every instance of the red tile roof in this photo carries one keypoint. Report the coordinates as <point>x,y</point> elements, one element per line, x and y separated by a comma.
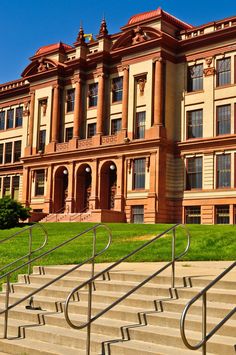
<point>52,47</point>
<point>156,13</point>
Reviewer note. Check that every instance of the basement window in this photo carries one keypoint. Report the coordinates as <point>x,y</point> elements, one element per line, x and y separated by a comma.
<point>137,214</point>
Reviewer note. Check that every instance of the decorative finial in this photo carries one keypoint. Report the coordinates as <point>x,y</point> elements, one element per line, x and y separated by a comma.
<point>103,28</point>
<point>80,38</point>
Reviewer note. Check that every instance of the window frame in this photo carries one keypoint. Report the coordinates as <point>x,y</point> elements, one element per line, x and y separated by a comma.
<point>226,171</point>
<point>194,177</point>
<point>135,215</point>
<point>10,118</point>
<point>223,77</point>
<point>117,89</point>
<point>93,95</point>
<point>114,129</point>
<point>217,212</point>
<point>2,120</point>
<point>39,178</point>
<point>7,153</point>
<point>197,127</point>
<point>139,130</point>
<point>195,80</point>
<point>139,177</point>
<point>221,120</point>
<point>89,125</point>
<point>17,151</point>
<point>19,118</point>
<point>197,217</point>
<point>70,100</point>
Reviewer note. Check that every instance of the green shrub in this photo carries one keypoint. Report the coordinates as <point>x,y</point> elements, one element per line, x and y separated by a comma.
<point>11,212</point>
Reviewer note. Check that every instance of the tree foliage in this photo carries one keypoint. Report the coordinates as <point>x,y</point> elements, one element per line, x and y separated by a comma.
<point>11,212</point>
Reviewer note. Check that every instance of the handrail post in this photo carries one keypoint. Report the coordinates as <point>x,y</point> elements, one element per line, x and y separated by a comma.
<point>204,322</point>
<point>30,249</point>
<point>173,259</point>
<point>6,306</point>
<point>90,290</point>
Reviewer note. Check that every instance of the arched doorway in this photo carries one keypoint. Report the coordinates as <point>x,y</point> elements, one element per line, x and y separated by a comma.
<point>83,188</point>
<point>60,189</point>
<point>108,184</point>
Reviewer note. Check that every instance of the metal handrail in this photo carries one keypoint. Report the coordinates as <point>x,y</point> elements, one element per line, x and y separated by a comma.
<point>30,252</point>
<point>203,294</point>
<point>109,268</point>
<point>91,259</point>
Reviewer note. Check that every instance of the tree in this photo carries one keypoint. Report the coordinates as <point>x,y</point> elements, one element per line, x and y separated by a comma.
<point>11,212</point>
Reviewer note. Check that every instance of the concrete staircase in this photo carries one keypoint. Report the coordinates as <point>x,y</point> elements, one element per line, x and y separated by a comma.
<point>145,323</point>
<point>67,217</point>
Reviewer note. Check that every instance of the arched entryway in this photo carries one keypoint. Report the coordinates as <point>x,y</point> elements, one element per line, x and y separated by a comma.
<point>83,188</point>
<point>108,182</point>
<point>60,189</point>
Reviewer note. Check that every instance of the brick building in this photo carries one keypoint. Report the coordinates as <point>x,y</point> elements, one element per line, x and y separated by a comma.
<point>137,126</point>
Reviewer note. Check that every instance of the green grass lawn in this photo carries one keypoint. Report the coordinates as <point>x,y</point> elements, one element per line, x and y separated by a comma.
<point>215,242</point>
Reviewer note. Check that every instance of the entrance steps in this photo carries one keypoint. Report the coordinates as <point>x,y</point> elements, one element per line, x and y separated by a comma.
<point>147,322</point>
<point>67,217</point>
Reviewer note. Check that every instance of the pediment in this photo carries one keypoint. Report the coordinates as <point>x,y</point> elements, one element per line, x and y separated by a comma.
<point>39,66</point>
<point>136,36</point>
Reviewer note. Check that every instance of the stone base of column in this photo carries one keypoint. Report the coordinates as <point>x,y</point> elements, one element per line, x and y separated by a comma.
<point>122,136</point>
<point>73,143</point>
<point>156,131</point>
<point>28,151</point>
<point>69,205</point>
<point>50,147</point>
<point>47,206</point>
<point>97,139</point>
<point>93,202</point>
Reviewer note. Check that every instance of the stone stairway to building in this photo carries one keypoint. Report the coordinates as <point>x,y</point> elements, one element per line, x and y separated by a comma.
<point>147,322</point>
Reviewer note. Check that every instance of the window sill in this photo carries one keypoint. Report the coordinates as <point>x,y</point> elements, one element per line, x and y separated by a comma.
<point>224,86</point>
<point>194,92</point>
<point>116,102</point>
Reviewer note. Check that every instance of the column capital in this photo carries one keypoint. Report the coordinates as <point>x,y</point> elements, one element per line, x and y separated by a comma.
<point>101,75</point>
<point>157,59</point>
<point>125,67</point>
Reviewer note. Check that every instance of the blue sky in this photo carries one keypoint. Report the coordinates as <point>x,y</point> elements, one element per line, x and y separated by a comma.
<point>27,25</point>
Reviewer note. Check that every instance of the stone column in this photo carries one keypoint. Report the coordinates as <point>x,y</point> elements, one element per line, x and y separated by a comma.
<point>28,149</point>
<point>119,198</point>
<point>71,181</point>
<point>48,197</point>
<point>158,99</point>
<point>100,107</point>
<point>77,110</point>
<point>93,201</point>
<point>55,114</point>
<point>125,99</point>
<point>25,186</point>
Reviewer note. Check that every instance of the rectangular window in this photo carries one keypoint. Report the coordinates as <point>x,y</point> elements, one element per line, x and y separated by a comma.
<point>194,173</point>
<point>223,117</point>
<point>15,187</point>
<point>69,134</point>
<point>137,214</point>
<point>223,71</point>
<point>91,130</point>
<point>7,186</point>
<point>115,126</point>
<point>70,100</point>
<point>2,120</point>
<point>19,116</point>
<point>117,89</point>
<point>222,214</point>
<point>8,153</point>
<point>1,153</point>
<point>140,125</point>
<point>10,118</point>
<point>93,94</point>
<point>17,151</point>
<point>223,167</point>
<point>42,140</point>
<point>193,215</point>
<point>139,174</point>
<point>39,183</point>
<point>194,124</point>
<point>195,78</point>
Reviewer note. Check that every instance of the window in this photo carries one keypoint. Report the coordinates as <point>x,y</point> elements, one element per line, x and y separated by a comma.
<point>137,214</point>
<point>223,167</point>
<point>117,89</point>
<point>15,187</point>
<point>139,174</point>
<point>69,134</point>
<point>42,140</point>
<point>7,186</point>
<point>223,70</point>
<point>222,214</point>
<point>93,94</point>
<point>194,173</point>
<point>115,126</point>
<point>223,115</point>
<point>91,130</point>
<point>140,125</point>
<point>70,100</point>
<point>19,116</point>
<point>17,151</point>
<point>193,215</point>
<point>194,124</point>
<point>195,77</point>
<point>8,153</point>
<point>2,120</point>
<point>39,183</point>
<point>10,118</point>
<point>1,153</point>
